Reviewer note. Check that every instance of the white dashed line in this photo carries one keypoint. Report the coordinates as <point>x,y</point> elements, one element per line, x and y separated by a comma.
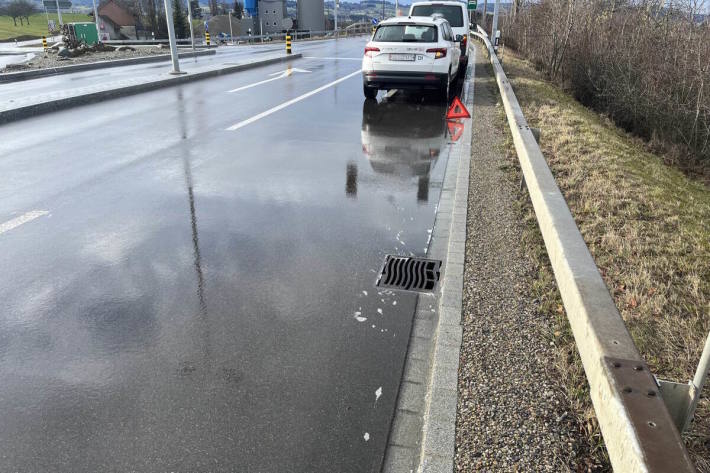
<point>22,219</point>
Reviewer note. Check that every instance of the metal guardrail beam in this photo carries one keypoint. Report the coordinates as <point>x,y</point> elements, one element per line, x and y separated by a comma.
<point>639,432</point>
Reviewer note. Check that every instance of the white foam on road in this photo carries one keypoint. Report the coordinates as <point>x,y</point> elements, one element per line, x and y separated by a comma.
<point>275,109</point>
<point>22,219</point>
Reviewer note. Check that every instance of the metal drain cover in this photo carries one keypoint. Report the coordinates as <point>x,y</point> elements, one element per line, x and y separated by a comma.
<point>409,274</point>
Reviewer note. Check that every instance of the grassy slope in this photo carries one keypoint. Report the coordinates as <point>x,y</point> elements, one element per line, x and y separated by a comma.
<point>37,26</point>
<point>648,228</point>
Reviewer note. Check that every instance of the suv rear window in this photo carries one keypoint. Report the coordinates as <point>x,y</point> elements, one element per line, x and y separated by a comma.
<point>406,34</point>
<point>452,13</point>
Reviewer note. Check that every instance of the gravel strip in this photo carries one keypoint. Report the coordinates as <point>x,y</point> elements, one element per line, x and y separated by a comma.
<point>512,412</point>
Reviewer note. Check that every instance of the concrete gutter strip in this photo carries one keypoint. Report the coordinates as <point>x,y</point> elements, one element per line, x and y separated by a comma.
<point>31,106</point>
<point>638,431</point>
<point>439,432</point>
<point>423,433</point>
<point>25,75</point>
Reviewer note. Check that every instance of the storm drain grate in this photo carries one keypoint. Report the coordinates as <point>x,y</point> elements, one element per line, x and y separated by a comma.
<point>409,274</point>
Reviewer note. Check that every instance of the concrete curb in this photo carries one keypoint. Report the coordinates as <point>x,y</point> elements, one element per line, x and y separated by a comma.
<point>25,75</point>
<point>423,433</point>
<point>638,431</point>
<point>54,104</point>
<point>449,244</point>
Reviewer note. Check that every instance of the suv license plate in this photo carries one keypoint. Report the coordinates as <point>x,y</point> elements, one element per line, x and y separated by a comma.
<point>402,57</point>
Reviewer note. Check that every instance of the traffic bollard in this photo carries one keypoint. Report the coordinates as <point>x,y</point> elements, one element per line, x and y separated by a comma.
<point>288,44</point>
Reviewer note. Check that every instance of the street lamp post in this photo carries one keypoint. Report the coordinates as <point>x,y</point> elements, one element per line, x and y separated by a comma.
<point>171,37</point>
<point>192,35</point>
<point>495,23</point>
<point>59,13</point>
<point>96,21</point>
<point>231,34</point>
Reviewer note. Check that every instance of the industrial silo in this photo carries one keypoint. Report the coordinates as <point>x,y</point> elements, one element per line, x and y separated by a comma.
<point>311,15</point>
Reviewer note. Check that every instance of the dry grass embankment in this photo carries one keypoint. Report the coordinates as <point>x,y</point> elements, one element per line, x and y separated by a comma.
<point>647,226</point>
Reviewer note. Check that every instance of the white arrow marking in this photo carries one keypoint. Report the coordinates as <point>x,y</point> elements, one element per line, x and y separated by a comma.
<point>280,75</point>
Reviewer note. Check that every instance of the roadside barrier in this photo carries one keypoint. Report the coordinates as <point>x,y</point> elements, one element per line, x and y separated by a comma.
<point>638,430</point>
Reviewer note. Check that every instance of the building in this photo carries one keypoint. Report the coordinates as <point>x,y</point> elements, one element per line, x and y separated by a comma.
<point>271,16</point>
<point>115,22</point>
<point>240,27</point>
<point>311,15</point>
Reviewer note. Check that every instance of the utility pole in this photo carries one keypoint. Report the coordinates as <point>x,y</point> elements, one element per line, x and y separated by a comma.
<point>383,10</point>
<point>495,23</point>
<point>59,13</point>
<point>192,35</point>
<point>485,9</point>
<point>336,18</point>
<point>231,33</point>
<point>96,21</point>
<point>396,7</point>
<point>171,37</point>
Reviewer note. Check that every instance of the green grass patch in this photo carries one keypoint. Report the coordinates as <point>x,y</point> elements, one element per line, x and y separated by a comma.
<point>37,25</point>
<point>647,226</point>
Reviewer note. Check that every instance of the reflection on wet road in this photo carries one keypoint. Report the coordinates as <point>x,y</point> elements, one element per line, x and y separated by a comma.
<point>196,299</point>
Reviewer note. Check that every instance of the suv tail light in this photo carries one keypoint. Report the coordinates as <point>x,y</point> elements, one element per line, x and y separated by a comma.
<point>464,39</point>
<point>369,50</point>
<point>438,52</point>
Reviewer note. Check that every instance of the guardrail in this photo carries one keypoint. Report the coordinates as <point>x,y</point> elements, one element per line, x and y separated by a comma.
<point>638,430</point>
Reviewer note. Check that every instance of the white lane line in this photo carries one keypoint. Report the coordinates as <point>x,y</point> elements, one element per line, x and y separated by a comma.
<point>254,84</point>
<point>335,58</point>
<point>22,219</point>
<point>268,112</point>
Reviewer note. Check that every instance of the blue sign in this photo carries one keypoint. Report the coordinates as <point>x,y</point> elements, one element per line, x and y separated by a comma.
<point>374,21</point>
<point>206,29</point>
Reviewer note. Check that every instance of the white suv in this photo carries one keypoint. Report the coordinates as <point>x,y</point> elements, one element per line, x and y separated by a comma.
<point>411,53</point>
<point>456,13</point>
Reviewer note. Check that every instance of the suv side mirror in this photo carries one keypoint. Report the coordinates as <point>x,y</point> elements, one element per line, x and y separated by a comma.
<point>458,38</point>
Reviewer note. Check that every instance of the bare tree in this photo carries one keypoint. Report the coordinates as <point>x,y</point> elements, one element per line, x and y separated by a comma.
<point>20,9</point>
<point>646,63</point>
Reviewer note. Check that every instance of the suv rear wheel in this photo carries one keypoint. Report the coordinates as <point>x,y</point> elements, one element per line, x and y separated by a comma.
<point>444,91</point>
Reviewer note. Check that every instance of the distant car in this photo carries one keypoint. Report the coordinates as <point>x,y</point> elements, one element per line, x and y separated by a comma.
<point>411,53</point>
<point>456,14</point>
<point>224,37</point>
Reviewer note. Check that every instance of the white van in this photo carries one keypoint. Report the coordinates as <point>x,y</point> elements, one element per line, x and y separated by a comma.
<point>456,13</point>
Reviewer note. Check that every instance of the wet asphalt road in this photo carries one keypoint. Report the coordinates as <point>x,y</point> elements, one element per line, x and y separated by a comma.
<point>180,297</point>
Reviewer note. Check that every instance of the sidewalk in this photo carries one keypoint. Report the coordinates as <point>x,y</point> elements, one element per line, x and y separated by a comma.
<point>16,107</point>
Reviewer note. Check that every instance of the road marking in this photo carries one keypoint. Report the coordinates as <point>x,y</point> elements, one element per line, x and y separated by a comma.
<point>246,122</point>
<point>22,219</point>
<point>288,72</point>
<point>337,58</point>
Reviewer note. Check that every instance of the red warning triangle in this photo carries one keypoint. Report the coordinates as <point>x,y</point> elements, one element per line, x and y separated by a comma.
<point>455,130</point>
<point>457,110</point>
